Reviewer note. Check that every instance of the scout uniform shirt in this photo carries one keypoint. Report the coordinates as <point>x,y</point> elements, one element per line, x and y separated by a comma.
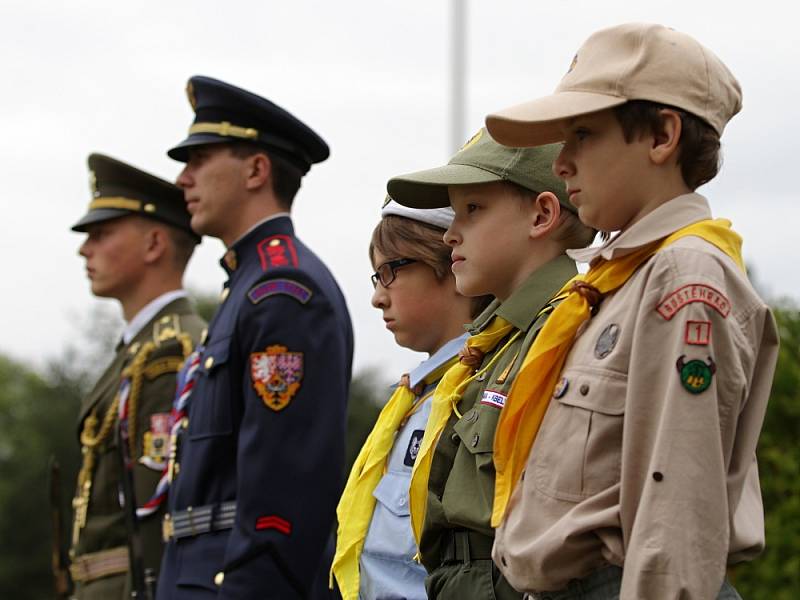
<point>461,482</point>
<point>100,536</point>
<point>261,454</point>
<point>645,458</point>
<point>387,566</point>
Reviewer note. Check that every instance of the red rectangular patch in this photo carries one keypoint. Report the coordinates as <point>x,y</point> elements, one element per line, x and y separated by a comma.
<point>277,251</point>
<point>274,522</point>
<point>694,292</point>
<point>698,333</point>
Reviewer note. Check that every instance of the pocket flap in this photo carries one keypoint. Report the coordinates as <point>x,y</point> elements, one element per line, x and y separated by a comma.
<point>392,492</point>
<point>597,390</point>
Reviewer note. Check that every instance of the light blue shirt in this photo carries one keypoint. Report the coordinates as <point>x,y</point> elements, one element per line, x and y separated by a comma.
<point>387,567</point>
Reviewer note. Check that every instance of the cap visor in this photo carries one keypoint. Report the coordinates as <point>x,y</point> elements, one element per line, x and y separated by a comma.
<point>99,215</point>
<point>428,189</point>
<point>181,151</point>
<point>538,122</point>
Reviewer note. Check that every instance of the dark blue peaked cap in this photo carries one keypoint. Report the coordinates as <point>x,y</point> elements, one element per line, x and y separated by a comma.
<point>225,113</point>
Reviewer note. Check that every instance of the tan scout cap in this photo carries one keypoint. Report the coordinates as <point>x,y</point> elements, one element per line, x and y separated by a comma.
<point>634,61</point>
<point>481,160</point>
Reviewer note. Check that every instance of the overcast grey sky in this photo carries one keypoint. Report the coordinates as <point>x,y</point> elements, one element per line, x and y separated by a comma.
<point>372,78</point>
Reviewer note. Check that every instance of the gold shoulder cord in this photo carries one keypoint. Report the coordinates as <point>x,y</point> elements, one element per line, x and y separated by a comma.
<point>90,442</point>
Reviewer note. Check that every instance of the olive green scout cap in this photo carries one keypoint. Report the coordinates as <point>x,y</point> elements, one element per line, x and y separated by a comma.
<point>481,160</point>
<point>118,190</point>
<point>634,61</point>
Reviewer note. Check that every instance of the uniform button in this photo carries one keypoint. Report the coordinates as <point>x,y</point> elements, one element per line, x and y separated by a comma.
<point>561,388</point>
<point>475,439</point>
<point>472,416</point>
<point>454,438</point>
<point>224,295</point>
<point>522,477</point>
<point>219,578</point>
<point>402,502</point>
<point>209,362</point>
<point>584,389</point>
<point>503,560</point>
<point>185,422</point>
<point>658,476</point>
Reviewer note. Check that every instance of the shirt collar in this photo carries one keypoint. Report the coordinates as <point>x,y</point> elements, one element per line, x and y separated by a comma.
<point>664,220</point>
<point>524,304</point>
<point>437,359</point>
<point>144,316</point>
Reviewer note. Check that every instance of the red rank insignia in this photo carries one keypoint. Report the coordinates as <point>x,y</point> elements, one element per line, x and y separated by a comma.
<point>276,374</point>
<point>277,251</point>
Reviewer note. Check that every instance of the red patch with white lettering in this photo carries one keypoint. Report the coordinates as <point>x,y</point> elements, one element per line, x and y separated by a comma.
<point>694,292</point>
<point>274,522</point>
<point>277,251</point>
<point>698,333</point>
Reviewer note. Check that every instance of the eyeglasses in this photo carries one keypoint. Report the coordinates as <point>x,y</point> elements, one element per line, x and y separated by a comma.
<point>388,271</point>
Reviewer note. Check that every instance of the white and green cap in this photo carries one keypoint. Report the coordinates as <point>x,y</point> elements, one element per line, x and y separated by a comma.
<point>437,217</point>
<point>481,160</point>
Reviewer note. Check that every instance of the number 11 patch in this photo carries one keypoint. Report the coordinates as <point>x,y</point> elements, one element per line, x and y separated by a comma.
<point>698,333</point>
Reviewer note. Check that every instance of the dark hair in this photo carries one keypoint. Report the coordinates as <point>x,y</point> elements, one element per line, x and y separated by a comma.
<point>400,237</point>
<point>698,148</point>
<point>286,177</point>
<point>184,244</point>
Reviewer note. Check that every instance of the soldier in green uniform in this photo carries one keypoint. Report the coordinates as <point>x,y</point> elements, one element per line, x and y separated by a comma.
<point>137,246</point>
<point>497,193</point>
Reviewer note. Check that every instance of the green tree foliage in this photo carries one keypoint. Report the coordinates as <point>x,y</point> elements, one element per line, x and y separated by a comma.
<point>776,574</point>
<point>37,420</point>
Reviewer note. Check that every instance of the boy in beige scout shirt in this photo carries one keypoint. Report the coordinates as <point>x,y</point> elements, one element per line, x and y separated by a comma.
<point>650,380</point>
<point>512,225</point>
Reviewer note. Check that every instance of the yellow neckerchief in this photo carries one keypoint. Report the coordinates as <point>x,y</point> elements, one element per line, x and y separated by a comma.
<point>446,396</point>
<point>531,391</point>
<point>357,502</point>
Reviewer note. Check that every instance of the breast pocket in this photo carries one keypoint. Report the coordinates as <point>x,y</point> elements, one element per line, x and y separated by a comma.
<point>210,403</point>
<point>578,450</point>
<point>390,528</point>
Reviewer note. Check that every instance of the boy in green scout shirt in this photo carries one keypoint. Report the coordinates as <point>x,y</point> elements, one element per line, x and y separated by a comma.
<point>637,412</point>
<point>512,226</point>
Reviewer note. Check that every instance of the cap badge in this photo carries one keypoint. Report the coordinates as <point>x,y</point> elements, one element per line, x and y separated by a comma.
<point>190,95</point>
<point>472,141</point>
<point>572,64</point>
<point>93,184</point>
<point>386,201</point>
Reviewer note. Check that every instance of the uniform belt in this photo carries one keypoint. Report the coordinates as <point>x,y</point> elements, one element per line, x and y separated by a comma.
<point>94,565</point>
<point>463,545</point>
<point>197,520</point>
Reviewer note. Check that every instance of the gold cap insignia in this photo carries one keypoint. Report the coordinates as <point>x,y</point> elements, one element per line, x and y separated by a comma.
<point>93,184</point>
<point>472,141</point>
<point>190,95</point>
<point>572,64</point>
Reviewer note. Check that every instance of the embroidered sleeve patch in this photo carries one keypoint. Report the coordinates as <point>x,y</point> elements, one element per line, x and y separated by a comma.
<point>277,251</point>
<point>698,333</point>
<point>495,399</point>
<point>276,375</point>
<point>694,292</point>
<point>273,522</point>
<point>285,287</point>
<point>695,375</point>
<point>413,447</point>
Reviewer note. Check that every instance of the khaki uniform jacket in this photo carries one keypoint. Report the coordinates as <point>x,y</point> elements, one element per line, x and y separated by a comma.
<point>461,483</point>
<point>646,455</point>
<point>105,523</point>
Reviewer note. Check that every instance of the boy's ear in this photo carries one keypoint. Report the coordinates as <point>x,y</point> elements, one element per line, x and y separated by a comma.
<point>667,138</point>
<point>545,212</point>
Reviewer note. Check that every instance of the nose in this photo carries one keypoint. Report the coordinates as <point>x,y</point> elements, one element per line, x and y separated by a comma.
<point>83,249</point>
<point>184,180</point>
<point>451,236</point>
<point>380,297</point>
<point>563,166</point>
